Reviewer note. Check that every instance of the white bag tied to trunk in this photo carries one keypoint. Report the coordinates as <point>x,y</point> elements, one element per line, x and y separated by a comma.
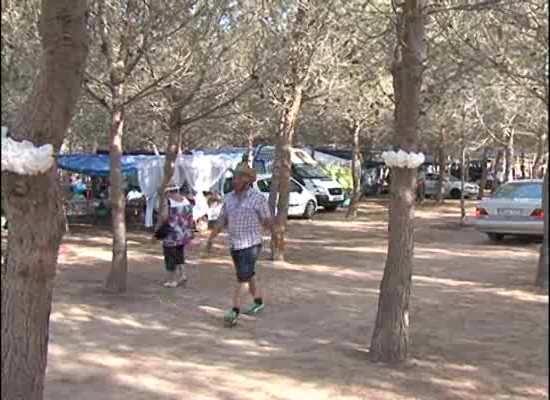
<point>24,158</point>
<point>402,159</point>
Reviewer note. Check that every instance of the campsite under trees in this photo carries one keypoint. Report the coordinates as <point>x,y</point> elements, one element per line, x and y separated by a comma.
<point>387,138</point>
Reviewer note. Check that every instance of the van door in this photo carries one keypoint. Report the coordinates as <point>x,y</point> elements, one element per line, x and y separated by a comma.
<point>296,201</point>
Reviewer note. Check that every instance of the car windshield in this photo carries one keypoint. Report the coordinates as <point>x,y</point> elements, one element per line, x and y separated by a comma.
<point>309,171</point>
<point>519,191</point>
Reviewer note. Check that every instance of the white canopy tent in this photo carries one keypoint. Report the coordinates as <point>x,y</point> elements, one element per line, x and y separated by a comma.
<point>200,171</point>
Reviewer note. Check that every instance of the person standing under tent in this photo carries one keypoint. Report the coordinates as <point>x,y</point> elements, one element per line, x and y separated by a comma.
<point>245,212</point>
<point>177,223</point>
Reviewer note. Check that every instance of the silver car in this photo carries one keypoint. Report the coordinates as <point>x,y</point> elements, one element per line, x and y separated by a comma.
<point>514,209</point>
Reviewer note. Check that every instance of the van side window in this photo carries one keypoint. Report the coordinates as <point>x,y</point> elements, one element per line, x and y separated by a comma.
<point>228,185</point>
<point>294,188</point>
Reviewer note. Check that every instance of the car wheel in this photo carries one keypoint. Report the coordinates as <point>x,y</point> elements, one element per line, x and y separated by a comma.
<point>309,211</point>
<point>455,194</point>
<point>495,237</point>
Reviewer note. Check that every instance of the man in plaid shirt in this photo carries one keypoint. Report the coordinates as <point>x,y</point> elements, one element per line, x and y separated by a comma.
<point>245,214</point>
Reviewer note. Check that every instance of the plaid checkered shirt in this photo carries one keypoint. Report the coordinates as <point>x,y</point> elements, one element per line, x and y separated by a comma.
<point>242,215</point>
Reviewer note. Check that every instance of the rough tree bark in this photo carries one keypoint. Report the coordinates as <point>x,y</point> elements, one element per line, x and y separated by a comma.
<point>522,165</point>
<point>442,156</point>
<point>462,184</point>
<point>466,168</point>
<point>509,158</point>
<point>390,339</point>
<point>250,147</point>
<point>178,100</point>
<point>115,279</point>
<point>171,156</point>
<point>292,102</point>
<point>483,180</point>
<point>117,63</point>
<point>284,160</point>
<point>463,168</point>
<point>542,270</point>
<point>33,203</point>
<point>497,167</point>
<point>355,129</point>
<point>539,155</point>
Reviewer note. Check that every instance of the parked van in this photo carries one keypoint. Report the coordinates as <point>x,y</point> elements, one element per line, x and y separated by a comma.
<point>306,171</point>
<point>301,202</point>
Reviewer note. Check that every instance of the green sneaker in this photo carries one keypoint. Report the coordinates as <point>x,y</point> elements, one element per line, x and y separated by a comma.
<point>230,318</point>
<point>254,309</point>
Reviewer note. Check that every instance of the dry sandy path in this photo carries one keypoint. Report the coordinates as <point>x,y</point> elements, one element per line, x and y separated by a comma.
<point>478,329</point>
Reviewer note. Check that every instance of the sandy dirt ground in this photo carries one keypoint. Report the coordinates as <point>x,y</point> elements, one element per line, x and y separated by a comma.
<point>478,328</point>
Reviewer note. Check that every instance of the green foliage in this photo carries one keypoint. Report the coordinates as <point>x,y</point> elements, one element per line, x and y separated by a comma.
<point>494,56</point>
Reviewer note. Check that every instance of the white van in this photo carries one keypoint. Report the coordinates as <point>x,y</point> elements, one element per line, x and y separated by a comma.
<point>306,171</point>
<point>301,202</point>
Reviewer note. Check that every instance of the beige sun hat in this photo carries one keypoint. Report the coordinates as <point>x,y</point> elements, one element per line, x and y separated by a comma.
<point>246,172</point>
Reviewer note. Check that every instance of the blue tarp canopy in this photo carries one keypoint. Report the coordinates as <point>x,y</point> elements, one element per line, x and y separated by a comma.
<point>95,164</point>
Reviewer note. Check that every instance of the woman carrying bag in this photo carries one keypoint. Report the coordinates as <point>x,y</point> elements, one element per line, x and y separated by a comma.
<point>175,231</point>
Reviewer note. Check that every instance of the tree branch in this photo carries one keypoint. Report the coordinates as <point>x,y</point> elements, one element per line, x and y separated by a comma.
<point>100,100</point>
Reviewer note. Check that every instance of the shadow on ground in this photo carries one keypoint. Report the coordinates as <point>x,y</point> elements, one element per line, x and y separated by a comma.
<point>478,329</point>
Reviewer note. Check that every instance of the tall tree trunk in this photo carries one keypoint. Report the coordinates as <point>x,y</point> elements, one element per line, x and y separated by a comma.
<point>462,184</point>
<point>250,147</point>
<point>483,180</point>
<point>466,167</point>
<point>390,339</point>
<point>522,165</point>
<point>33,203</point>
<point>442,155</point>
<point>356,173</point>
<point>283,155</point>
<point>510,158</point>
<point>463,168</point>
<point>177,101</point>
<point>274,190</point>
<point>294,85</point>
<point>497,168</point>
<point>542,270</point>
<point>170,160</point>
<point>116,277</point>
<point>539,155</point>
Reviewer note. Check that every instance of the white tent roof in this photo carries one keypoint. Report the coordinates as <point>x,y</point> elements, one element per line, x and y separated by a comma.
<point>200,171</point>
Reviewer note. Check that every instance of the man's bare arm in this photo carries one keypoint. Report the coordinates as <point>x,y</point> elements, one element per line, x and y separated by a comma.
<point>264,215</point>
<point>267,223</point>
<point>216,230</point>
